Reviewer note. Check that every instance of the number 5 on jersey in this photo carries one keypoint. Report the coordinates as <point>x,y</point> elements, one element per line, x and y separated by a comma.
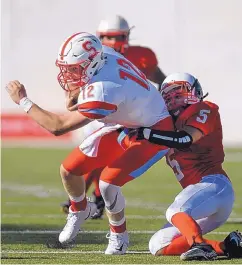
<point>203,115</point>
<point>87,92</point>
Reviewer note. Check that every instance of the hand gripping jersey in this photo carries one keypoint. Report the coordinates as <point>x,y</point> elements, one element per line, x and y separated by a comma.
<point>120,94</point>
<point>205,156</point>
<point>143,58</point>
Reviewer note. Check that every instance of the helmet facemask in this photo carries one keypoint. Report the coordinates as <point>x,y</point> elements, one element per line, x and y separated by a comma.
<point>119,41</point>
<point>71,76</point>
<point>180,94</point>
<point>74,76</point>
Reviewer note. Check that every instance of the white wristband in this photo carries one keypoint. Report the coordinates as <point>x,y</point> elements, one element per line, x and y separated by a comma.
<point>26,104</point>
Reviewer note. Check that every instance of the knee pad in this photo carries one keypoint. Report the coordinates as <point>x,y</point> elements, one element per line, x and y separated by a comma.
<point>113,197</point>
<point>162,238</point>
<point>174,208</point>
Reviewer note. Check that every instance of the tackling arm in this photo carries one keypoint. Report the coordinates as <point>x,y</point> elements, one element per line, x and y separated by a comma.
<point>179,140</point>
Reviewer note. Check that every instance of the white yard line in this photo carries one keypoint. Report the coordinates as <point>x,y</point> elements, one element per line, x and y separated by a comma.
<point>134,217</point>
<point>38,191</point>
<point>61,216</point>
<point>129,203</point>
<point>68,252</point>
<point>90,232</point>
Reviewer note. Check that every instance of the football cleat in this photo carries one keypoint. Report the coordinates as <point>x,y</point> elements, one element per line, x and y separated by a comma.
<point>200,251</point>
<point>98,200</point>
<point>100,207</point>
<point>74,221</point>
<point>65,206</point>
<point>233,245</point>
<point>118,243</point>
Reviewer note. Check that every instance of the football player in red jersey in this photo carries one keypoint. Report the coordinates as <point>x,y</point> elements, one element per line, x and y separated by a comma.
<point>114,32</point>
<point>196,157</point>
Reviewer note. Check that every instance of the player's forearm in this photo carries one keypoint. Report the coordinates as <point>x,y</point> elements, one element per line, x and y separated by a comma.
<point>178,140</point>
<point>50,121</point>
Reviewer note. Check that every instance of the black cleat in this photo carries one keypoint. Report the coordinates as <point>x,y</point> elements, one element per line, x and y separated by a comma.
<point>233,245</point>
<point>200,251</point>
<point>100,207</point>
<point>65,206</point>
<point>98,200</point>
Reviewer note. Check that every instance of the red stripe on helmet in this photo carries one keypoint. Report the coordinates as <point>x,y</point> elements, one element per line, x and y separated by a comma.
<point>66,43</point>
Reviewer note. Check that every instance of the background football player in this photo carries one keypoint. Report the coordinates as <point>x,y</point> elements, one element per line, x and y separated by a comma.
<point>196,158</point>
<point>114,32</point>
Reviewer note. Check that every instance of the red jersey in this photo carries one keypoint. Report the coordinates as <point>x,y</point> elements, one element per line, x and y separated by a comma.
<point>143,58</point>
<point>205,156</point>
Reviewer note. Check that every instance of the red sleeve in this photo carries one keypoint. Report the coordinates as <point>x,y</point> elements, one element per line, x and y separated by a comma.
<point>148,61</point>
<point>143,58</point>
<point>203,117</point>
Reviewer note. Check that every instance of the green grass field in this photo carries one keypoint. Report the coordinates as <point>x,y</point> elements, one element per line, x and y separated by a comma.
<point>32,191</point>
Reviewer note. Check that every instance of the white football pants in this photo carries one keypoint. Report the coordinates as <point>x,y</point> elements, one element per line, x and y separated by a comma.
<point>209,202</point>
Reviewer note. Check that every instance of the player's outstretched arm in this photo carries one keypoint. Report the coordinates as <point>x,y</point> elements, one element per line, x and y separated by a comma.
<point>179,140</point>
<point>54,123</point>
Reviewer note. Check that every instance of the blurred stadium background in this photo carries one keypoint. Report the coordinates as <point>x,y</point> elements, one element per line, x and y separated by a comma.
<point>202,37</point>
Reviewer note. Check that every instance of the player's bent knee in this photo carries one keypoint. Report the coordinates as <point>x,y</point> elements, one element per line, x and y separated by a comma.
<point>158,241</point>
<point>113,197</point>
<point>63,172</point>
<point>154,246</point>
<point>170,212</point>
<point>175,208</point>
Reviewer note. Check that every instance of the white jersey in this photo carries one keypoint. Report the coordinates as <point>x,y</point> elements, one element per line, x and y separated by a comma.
<point>120,94</point>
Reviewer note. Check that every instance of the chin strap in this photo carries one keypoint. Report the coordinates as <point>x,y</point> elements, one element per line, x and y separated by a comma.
<point>204,96</point>
<point>178,140</point>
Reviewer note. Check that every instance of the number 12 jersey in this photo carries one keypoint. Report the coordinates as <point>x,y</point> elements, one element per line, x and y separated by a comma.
<point>120,94</point>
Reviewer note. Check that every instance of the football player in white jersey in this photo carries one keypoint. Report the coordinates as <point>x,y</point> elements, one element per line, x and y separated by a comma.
<point>114,91</point>
<point>114,31</point>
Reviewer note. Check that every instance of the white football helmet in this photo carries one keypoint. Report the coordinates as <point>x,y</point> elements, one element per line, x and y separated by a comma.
<point>180,90</point>
<point>79,58</point>
<point>114,32</point>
